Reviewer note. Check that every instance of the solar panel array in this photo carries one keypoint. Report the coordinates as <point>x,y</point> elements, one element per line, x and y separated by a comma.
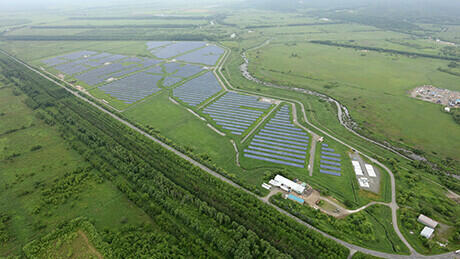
<point>71,68</point>
<point>232,111</point>
<point>133,88</point>
<point>198,89</point>
<point>207,55</point>
<point>171,67</point>
<point>155,70</point>
<point>169,80</point>
<point>98,75</point>
<point>188,70</point>
<point>330,161</point>
<point>68,57</point>
<point>156,44</point>
<point>280,141</point>
<point>177,48</point>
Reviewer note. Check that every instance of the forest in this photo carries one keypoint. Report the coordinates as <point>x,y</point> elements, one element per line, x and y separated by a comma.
<point>199,213</point>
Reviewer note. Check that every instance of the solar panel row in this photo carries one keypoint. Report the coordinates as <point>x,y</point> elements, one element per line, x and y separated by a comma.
<point>198,89</point>
<point>329,161</point>
<point>276,161</point>
<point>176,48</point>
<point>207,55</point>
<point>329,172</point>
<point>133,88</point>
<point>98,75</point>
<point>280,139</point>
<point>230,109</point>
<point>169,80</point>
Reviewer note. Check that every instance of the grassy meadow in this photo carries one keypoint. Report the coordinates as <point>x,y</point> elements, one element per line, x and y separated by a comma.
<point>373,86</point>
<point>34,164</point>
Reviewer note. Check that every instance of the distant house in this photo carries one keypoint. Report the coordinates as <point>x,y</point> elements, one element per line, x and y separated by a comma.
<point>427,221</point>
<point>427,232</point>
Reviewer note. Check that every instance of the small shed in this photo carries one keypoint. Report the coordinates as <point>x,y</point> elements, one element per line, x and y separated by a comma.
<point>427,221</point>
<point>427,232</point>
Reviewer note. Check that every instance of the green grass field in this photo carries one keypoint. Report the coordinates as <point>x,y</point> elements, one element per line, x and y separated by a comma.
<point>27,172</point>
<point>366,84</point>
<point>371,228</point>
<point>372,85</point>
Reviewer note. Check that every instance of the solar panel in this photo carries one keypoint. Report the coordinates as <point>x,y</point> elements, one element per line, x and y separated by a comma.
<point>283,137</point>
<point>272,125</point>
<point>287,131</point>
<point>273,160</point>
<point>330,163</point>
<point>253,143</point>
<point>156,44</point>
<point>329,172</point>
<point>132,88</point>
<point>176,48</point>
<point>330,158</point>
<point>329,154</point>
<point>155,70</point>
<point>169,80</point>
<point>327,149</point>
<point>278,144</point>
<point>231,125</point>
<point>205,86</point>
<point>330,167</point>
<point>277,132</point>
<point>207,55</point>
<point>275,151</point>
<point>280,140</point>
<point>232,128</point>
<point>273,156</point>
<point>233,121</point>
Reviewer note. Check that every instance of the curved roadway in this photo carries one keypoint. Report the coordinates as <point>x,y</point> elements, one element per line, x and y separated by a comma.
<point>353,248</point>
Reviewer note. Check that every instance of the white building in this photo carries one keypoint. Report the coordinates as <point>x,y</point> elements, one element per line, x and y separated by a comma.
<point>287,184</point>
<point>427,221</point>
<point>427,232</point>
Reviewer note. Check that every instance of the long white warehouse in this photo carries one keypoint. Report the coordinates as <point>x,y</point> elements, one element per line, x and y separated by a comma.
<point>281,182</point>
<point>357,168</point>
<point>370,170</point>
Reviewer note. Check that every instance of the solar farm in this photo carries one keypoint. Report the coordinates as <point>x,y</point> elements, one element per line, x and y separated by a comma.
<point>187,51</point>
<point>179,68</point>
<point>128,79</point>
<point>133,88</point>
<point>236,112</point>
<point>330,161</point>
<point>197,90</point>
<point>280,142</point>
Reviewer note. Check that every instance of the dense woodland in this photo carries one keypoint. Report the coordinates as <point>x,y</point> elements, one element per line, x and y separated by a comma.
<point>196,213</point>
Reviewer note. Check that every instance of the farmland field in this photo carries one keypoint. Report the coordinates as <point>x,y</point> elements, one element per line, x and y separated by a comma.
<point>222,92</point>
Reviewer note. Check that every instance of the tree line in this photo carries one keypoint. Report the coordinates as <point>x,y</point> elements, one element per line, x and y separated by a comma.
<point>202,214</point>
<point>393,51</point>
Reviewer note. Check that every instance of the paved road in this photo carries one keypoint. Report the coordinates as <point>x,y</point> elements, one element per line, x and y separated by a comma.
<point>217,175</point>
<point>393,205</point>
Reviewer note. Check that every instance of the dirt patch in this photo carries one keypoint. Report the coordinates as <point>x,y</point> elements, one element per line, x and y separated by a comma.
<point>453,196</point>
<point>88,244</point>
